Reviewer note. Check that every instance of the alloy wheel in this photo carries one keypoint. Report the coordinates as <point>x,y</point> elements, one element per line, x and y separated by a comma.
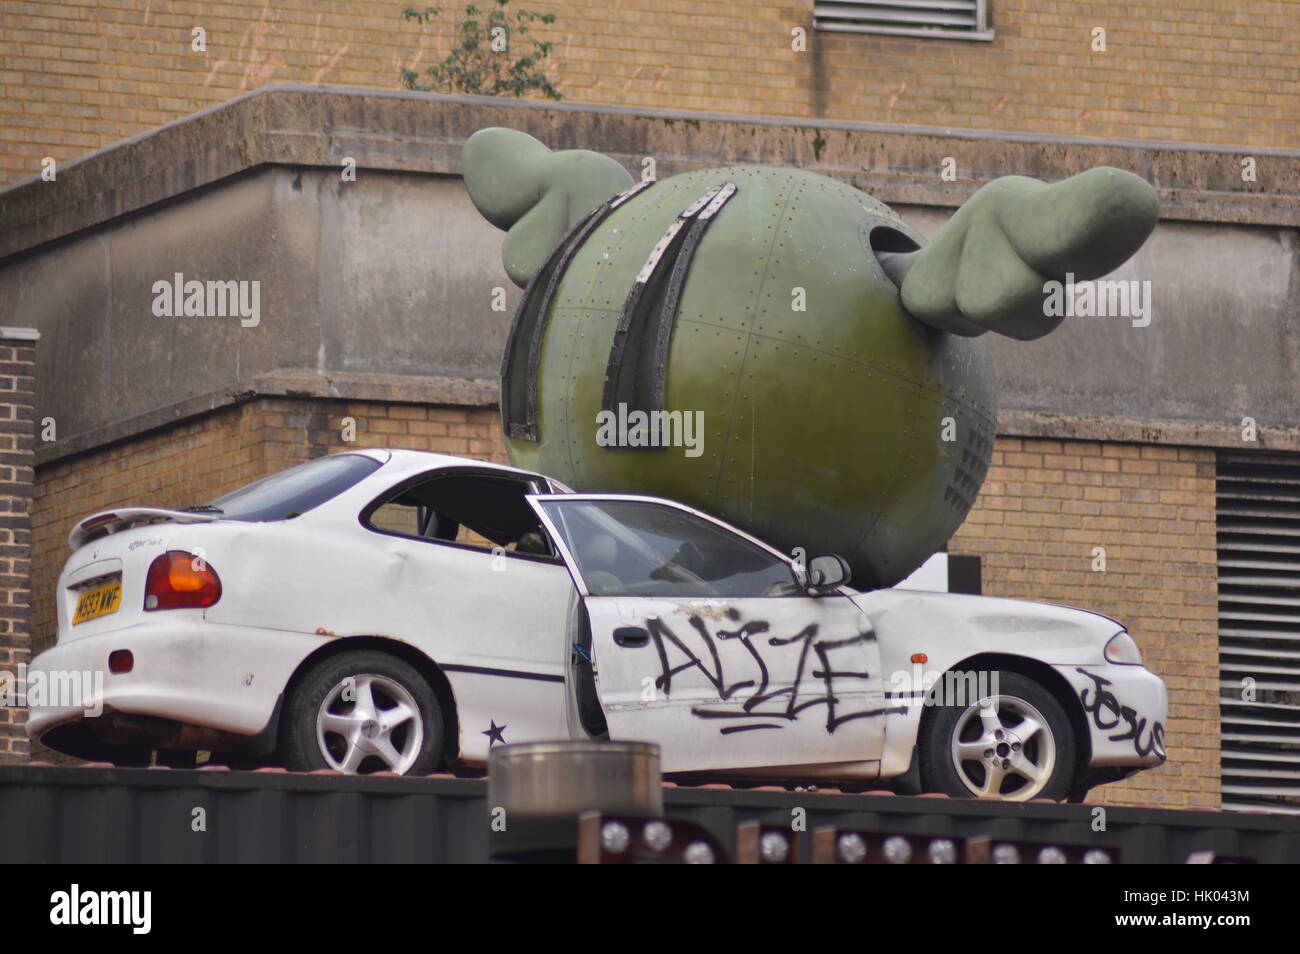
<point>369,723</point>
<point>1003,747</point>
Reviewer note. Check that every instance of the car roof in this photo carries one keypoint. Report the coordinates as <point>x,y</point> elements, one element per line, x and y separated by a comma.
<point>406,459</point>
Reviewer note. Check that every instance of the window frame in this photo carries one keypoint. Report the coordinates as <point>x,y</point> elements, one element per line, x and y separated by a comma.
<point>982,31</point>
<point>574,565</point>
<point>526,481</point>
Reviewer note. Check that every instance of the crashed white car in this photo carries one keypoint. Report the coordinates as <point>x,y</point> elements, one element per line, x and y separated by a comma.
<point>390,610</point>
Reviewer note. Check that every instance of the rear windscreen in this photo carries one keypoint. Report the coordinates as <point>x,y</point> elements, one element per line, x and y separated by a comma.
<point>294,491</point>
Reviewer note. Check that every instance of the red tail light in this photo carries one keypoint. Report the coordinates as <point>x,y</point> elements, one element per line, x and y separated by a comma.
<point>178,580</point>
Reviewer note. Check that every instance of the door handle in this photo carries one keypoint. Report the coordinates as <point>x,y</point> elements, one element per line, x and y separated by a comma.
<point>632,637</point>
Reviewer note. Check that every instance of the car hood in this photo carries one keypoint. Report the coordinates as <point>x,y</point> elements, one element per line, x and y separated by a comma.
<point>1002,617</point>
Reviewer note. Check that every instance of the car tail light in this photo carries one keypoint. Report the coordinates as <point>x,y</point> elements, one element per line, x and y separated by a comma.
<point>120,661</point>
<point>179,580</point>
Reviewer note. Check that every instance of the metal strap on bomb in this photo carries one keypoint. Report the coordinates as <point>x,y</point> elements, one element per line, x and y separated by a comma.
<point>639,338</point>
<point>668,313</point>
<point>528,328</point>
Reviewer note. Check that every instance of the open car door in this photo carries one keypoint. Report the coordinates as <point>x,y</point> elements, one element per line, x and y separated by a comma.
<point>703,641</point>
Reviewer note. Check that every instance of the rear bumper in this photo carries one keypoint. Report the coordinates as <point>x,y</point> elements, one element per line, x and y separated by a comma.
<point>1126,708</point>
<point>219,677</point>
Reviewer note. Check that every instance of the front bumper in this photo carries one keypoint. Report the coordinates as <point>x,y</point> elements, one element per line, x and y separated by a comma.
<point>219,677</point>
<point>1126,708</point>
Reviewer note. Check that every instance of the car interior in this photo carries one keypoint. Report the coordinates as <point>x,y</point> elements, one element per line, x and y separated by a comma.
<point>471,508</point>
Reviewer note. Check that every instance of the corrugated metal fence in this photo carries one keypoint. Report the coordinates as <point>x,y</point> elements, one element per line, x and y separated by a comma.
<point>103,814</point>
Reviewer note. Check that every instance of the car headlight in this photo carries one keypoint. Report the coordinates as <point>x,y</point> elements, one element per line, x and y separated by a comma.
<point>1122,651</point>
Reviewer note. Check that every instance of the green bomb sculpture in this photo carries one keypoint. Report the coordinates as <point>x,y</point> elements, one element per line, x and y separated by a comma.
<point>814,368</point>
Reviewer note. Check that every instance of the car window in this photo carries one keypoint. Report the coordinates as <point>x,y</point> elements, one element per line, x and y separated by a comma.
<point>479,510</point>
<point>641,548</point>
<point>294,491</point>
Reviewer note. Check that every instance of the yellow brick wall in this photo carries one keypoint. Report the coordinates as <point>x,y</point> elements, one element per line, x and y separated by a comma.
<point>1047,504</point>
<point>80,74</point>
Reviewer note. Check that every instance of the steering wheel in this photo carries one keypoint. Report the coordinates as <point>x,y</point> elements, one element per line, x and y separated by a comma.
<point>675,570</point>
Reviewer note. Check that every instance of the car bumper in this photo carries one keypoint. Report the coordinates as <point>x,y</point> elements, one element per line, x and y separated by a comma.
<point>1126,708</point>
<point>220,677</point>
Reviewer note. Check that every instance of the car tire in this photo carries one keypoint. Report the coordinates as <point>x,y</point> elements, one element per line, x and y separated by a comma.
<point>963,755</point>
<point>362,712</point>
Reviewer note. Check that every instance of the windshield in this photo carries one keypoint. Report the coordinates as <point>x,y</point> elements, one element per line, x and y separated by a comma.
<point>294,491</point>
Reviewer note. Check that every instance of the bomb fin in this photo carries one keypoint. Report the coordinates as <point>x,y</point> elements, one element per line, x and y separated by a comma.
<point>536,195</point>
<point>986,269</point>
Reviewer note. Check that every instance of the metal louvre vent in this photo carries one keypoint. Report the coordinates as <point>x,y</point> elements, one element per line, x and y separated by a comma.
<point>1258,506</point>
<point>947,19</point>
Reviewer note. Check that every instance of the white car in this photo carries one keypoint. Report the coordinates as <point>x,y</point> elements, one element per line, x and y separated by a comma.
<point>390,610</point>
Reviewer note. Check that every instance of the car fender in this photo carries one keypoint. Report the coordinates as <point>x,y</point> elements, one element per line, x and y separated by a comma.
<point>424,664</point>
<point>946,629</point>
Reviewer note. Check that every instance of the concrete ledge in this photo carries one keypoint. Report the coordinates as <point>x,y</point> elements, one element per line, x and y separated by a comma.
<point>312,125</point>
<point>288,383</point>
<point>479,393</point>
<point>1213,434</point>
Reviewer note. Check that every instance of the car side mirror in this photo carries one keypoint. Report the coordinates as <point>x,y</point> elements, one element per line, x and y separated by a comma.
<point>826,573</point>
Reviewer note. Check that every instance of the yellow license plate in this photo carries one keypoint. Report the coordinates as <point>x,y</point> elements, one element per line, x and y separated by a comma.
<point>100,601</point>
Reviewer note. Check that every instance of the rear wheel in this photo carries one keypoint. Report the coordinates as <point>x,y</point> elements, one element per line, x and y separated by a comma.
<point>1015,744</point>
<point>363,712</point>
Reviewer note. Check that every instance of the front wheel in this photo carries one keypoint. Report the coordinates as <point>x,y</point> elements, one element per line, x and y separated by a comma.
<point>363,712</point>
<point>1014,743</point>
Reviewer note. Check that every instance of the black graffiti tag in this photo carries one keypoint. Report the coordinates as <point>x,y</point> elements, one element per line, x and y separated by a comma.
<point>1107,713</point>
<point>659,631</point>
<point>766,704</point>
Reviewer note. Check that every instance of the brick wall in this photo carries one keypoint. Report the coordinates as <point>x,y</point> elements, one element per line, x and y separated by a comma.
<point>75,76</point>
<point>1047,504</point>
<point>17,383</point>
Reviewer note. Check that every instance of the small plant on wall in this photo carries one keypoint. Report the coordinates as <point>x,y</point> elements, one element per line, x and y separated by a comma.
<point>484,57</point>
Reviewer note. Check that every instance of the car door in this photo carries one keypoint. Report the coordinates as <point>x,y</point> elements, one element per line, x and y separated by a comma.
<point>493,614</point>
<point>703,641</point>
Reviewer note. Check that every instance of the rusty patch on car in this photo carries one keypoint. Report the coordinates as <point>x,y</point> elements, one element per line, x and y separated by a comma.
<point>707,609</point>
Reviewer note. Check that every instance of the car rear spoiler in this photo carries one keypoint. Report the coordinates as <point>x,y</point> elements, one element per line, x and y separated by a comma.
<point>110,521</point>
